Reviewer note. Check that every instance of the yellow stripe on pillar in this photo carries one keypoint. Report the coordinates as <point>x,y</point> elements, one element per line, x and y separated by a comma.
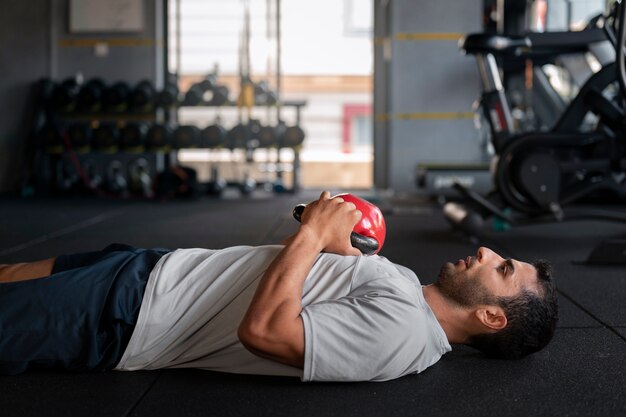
<point>433,36</point>
<point>433,116</point>
<point>91,42</point>
<point>425,116</point>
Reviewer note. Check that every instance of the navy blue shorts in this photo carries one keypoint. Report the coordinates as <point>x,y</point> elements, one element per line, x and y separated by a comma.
<point>81,317</point>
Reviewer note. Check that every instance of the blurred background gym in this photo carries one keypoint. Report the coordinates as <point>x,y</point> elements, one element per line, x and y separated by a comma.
<point>259,95</point>
<point>181,123</point>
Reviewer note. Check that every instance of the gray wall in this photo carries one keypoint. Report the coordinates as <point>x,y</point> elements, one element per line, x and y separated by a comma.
<point>24,57</point>
<point>36,43</point>
<point>132,56</point>
<point>426,79</point>
<point>382,49</point>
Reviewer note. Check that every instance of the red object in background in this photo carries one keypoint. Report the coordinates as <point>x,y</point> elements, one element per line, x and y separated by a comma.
<point>372,223</point>
<point>350,112</point>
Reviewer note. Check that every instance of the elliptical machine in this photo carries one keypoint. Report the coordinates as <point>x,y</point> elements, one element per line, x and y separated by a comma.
<point>538,175</point>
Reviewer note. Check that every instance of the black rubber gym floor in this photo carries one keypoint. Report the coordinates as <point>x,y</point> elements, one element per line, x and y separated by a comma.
<point>581,373</point>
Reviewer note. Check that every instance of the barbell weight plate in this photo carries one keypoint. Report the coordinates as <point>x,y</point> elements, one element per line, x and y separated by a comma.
<point>79,135</point>
<point>293,136</point>
<point>213,136</point>
<point>186,136</point>
<point>133,137</point>
<point>116,97</point>
<point>90,96</point>
<point>159,138</point>
<point>105,137</point>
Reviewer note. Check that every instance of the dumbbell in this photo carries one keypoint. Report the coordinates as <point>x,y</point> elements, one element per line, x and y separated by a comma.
<point>91,95</point>
<point>187,136</point>
<point>209,81</point>
<point>255,126</point>
<point>116,97</point>
<point>263,96</point>
<point>105,137</point>
<point>133,137</point>
<point>216,184</point>
<point>50,137</point>
<point>219,95</point>
<point>268,136</point>
<point>79,135</point>
<point>193,96</point>
<point>65,95</point>
<point>115,180</point>
<point>212,136</point>
<point>292,137</point>
<point>159,138</point>
<point>66,176</point>
<point>143,97</point>
<point>93,177</point>
<point>139,177</point>
<point>167,97</point>
<point>237,136</point>
<point>260,91</point>
<point>206,92</point>
<point>368,235</point>
<point>247,185</point>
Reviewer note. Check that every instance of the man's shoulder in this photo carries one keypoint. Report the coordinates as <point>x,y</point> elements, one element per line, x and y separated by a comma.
<point>386,273</point>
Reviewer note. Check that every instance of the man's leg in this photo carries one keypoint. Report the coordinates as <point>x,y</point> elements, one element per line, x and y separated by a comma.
<point>26,270</point>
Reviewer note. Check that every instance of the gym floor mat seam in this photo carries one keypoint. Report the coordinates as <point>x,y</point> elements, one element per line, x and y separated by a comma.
<point>61,232</point>
<point>595,317</point>
<point>135,404</point>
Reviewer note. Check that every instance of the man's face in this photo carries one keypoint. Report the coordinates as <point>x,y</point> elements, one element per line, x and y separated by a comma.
<point>479,280</point>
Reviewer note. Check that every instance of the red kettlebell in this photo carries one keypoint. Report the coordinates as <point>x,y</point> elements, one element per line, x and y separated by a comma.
<point>368,235</point>
<point>372,223</point>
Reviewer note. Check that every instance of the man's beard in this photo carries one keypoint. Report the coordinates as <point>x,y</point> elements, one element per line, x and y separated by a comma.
<point>462,288</point>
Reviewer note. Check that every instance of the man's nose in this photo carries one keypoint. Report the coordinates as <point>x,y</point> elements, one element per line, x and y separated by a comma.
<point>485,254</point>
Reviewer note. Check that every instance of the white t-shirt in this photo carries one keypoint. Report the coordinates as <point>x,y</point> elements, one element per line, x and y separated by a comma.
<point>365,318</point>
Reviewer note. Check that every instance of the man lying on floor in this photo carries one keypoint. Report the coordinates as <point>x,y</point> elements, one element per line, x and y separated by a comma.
<point>312,308</point>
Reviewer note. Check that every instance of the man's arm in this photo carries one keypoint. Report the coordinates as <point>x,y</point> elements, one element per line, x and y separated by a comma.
<point>26,270</point>
<point>272,327</point>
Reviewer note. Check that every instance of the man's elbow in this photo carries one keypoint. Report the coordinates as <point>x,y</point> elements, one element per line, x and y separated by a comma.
<point>257,340</point>
<point>249,335</point>
<point>274,345</point>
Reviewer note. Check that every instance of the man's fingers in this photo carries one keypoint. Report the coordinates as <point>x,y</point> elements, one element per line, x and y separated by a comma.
<point>357,214</point>
<point>332,219</point>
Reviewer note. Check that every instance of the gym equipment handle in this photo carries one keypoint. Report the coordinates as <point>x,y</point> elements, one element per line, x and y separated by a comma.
<point>367,245</point>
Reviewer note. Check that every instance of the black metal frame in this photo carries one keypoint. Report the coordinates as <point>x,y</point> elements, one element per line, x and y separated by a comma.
<point>538,174</point>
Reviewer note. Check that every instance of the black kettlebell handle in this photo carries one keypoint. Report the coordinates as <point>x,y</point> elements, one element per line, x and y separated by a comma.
<point>367,245</point>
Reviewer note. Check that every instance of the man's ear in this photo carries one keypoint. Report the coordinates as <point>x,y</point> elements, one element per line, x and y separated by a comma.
<point>492,317</point>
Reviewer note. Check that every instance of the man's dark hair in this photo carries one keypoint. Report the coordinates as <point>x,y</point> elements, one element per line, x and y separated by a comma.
<point>531,320</point>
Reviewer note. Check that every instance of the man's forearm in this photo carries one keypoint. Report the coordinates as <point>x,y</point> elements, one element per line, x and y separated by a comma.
<point>272,322</point>
<point>272,326</point>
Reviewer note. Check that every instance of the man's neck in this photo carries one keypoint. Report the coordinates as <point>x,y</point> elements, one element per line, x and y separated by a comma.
<point>451,317</point>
